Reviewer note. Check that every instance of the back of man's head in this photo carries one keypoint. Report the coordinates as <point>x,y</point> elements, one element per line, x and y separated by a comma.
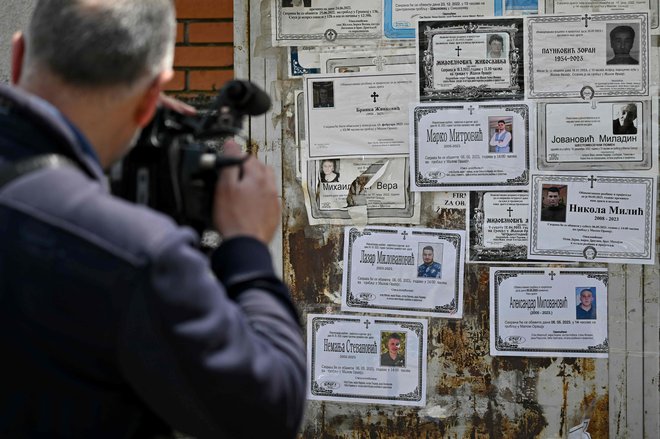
<point>100,43</point>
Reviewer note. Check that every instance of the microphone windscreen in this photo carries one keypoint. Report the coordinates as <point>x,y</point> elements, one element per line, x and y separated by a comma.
<point>246,96</point>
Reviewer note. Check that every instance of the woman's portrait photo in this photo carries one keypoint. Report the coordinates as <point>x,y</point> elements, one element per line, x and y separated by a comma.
<point>329,172</point>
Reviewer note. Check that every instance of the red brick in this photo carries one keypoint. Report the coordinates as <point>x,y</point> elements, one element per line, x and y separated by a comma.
<point>210,33</point>
<point>209,79</point>
<point>204,8</point>
<point>195,56</point>
<point>178,82</point>
<point>179,32</point>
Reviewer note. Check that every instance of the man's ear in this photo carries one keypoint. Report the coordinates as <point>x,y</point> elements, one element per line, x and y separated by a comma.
<point>150,98</point>
<point>17,54</point>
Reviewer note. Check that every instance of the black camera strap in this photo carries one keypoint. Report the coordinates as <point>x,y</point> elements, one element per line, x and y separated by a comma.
<point>12,171</point>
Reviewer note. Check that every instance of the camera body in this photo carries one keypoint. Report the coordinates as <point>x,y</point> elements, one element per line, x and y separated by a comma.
<point>177,159</point>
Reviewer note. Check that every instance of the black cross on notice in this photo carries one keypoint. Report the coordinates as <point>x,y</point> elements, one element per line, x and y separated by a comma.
<point>552,275</point>
<point>586,19</point>
<point>374,95</point>
<point>367,323</point>
<point>458,50</point>
<point>592,179</point>
<point>471,109</point>
<point>404,234</point>
<point>509,210</point>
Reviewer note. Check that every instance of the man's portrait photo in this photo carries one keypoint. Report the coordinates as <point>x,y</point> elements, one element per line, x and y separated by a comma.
<point>586,303</point>
<point>323,94</point>
<point>500,139</point>
<point>621,43</point>
<point>296,3</point>
<point>553,203</point>
<point>393,348</point>
<point>495,46</point>
<point>624,119</point>
<point>431,256</point>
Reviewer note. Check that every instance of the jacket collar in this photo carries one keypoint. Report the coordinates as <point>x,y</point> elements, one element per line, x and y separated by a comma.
<point>66,138</point>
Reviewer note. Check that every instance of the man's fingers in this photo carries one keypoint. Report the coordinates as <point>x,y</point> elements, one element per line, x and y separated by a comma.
<point>232,149</point>
<point>176,105</point>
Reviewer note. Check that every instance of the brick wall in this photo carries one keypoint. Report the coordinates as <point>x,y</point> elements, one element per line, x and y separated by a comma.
<point>204,54</point>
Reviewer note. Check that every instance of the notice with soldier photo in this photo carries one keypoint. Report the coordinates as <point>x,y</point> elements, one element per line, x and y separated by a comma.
<point>399,16</point>
<point>605,135</point>
<point>357,115</point>
<point>470,59</point>
<point>366,359</point>
<point>588,55</point>
<point>499,226</point>
<point>325,22</point>
<point>400,270</point>
<point>336,187</point>
<point>548,312</point>
<point>475,146</point>
<point>593,217</point>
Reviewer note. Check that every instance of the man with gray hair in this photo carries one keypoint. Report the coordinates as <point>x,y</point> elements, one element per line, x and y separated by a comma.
<point>624,123</point>
<point>112,323</point>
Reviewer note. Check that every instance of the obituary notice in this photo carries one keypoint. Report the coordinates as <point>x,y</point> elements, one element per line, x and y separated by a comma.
<point>551,312</point>
<point>357,114</point>
<point>604,135</point>
<point>588,55</point>
<point>607,6</point>
<point>366,359</point>
<point>593,217</point>
<point>323,22</point>
<point>470,146</point>
<point>411,271</point>
<point>336,187</point>
<point>499,226</point>
<point>470,59</point>
<point>399,16</point>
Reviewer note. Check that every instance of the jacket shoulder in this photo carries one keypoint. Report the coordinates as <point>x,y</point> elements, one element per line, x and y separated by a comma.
<point>75,204</point>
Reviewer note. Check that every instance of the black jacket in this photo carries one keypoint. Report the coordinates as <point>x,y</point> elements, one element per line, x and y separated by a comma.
<point>112,325</point>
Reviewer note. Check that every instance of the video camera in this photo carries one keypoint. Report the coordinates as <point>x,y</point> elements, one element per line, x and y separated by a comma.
<point>174,166</point>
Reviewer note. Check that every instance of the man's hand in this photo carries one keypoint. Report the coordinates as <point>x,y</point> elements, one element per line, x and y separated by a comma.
<point>176,105</point>
<point>246,201</point>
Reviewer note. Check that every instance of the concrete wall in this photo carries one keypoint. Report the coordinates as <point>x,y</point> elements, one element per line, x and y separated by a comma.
<point>15,15</point>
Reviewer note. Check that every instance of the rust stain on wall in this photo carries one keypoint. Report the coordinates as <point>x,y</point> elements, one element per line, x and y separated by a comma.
<point>599,425</point>
<point>312,267</point>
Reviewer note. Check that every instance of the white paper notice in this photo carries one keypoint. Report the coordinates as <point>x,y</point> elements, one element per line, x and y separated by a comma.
<point>381,185</point>
<point>358,114</point>
<point>599,218</point>
<point>470,146</point>
<point>499,226</point>
<point>537,312</point>
<point>604,135</point>
<point>322,22</point>
<point>589,55</point>
<point>470,59</point>
<point>366,359</point>
<point>399,16</point>
<point>411,271</point>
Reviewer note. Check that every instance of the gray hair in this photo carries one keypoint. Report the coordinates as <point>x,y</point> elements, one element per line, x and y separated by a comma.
<point>101,43</point>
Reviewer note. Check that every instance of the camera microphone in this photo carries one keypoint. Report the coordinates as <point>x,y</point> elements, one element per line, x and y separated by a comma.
<point>245,97</point>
